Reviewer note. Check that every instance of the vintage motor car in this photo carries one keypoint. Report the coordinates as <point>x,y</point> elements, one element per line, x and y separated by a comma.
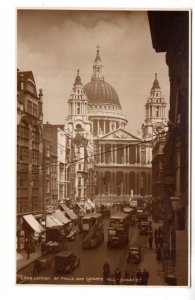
<point>134,254</point>
<point>66,262</point>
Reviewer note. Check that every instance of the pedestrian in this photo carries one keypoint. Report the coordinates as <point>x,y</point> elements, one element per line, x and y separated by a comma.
<point>156,239</point>
<point>155,233</point>
<point>150,241</point>
<point>139,277</point>
<point>117,276</point>
<point>39,239</point>
<point>37,266</point>
<point>28,249</point>
<point>150,225</point>
<point>145,277</point>
<point>106,272</point>
<point>43,248</point>
<point>126,277</point>
<point>158,254</point>
<point>161,240</point>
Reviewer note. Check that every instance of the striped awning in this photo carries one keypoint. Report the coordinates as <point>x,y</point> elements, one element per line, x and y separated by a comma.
<point>33,223</point>
<point>58,214</point>
<point>52,222</point>
<point>69,212</point>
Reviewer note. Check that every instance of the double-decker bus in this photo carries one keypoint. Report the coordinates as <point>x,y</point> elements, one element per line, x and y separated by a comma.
<point>118,231</point>
<point>92,230</point>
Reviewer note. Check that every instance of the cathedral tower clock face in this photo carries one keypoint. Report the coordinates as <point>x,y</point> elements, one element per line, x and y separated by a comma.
<point>158,128</point>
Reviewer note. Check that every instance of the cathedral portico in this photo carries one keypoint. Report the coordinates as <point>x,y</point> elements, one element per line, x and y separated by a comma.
<point>123,182</point>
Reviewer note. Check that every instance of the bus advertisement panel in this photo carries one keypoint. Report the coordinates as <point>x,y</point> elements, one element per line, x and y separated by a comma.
<point>92,230</point>
<point>118,231</point>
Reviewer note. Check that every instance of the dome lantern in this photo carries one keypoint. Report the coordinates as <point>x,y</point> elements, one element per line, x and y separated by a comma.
<point>98,90</point>
<point>155,83</point>
<point>97,66</point>
<point>78,79</point>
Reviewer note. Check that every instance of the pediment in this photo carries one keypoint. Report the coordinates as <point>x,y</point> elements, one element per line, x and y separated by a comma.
<point>119,134</point>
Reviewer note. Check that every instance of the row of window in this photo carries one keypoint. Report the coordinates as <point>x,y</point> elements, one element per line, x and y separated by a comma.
<point>104,107</point>
<point>32,108</point>
<point>53,185</point>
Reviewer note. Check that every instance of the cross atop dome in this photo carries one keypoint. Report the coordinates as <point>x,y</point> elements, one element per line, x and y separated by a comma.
<point>98,58</point>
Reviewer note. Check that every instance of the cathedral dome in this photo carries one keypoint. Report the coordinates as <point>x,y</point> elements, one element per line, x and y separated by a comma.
<point>98,90</point>
<point>101,91</point>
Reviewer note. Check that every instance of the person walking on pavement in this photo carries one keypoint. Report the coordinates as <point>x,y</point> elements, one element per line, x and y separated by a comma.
<point>150,241</point>
<point>145,277</point>
<point>156,239</point>
<point>117,276</point>
<point>28,248</point>
<point>106,272</point>
<point>139,277</point>
<point>39,240</point>
<point>155,233</point>
<point>158,254</point>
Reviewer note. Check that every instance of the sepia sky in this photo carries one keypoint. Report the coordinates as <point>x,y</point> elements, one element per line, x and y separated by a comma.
<point>53,44</point>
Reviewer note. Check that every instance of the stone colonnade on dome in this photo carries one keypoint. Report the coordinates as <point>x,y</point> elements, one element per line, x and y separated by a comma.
<point>104,126</point>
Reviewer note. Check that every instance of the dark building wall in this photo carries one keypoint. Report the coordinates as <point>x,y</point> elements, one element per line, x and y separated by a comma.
<point>170,34</point>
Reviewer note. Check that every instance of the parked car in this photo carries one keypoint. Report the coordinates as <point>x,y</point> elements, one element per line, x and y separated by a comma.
<point>134,254</point>
<point>66,262</point>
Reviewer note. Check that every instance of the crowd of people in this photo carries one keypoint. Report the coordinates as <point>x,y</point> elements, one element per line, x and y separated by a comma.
<point>136,278</point>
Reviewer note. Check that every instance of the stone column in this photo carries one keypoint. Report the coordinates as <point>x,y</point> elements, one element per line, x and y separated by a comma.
<point>104,127</point>
<point>124,157</point>
<point>139,154</point>
<point>92,127</point>
<point>115,188</point>
<point>104,154</point>
<point>100,180</point>
<point>98,127</point>
<point>115,154</point>
<point>128,154</point>
<point>138,184</point>
<point>111,153</point>
<point>125,183</point>
<point>136,154</point>
<point>99,154</point>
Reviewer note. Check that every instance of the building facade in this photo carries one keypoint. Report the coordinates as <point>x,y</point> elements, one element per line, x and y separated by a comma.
<point>60,144</point>
<point>78,126</point>
<point>122,160</point>
<point>50,187</point>
<point>170,34</point>
<point>29,151</point>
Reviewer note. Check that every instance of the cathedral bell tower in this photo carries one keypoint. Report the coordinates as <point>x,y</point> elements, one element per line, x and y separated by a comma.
<point>77,102</point>
<point>155,110</point>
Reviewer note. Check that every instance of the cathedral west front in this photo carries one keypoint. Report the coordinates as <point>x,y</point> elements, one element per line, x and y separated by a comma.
<point>122,162</point>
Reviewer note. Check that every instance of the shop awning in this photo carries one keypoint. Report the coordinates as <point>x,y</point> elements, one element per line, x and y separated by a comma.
<point>30,219</point>
<point>69,212</point>
<point>52,222</point>
<point>61,217</point>
<point>87,206</point>
<point>80,206</point>
<point>91,203</point>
